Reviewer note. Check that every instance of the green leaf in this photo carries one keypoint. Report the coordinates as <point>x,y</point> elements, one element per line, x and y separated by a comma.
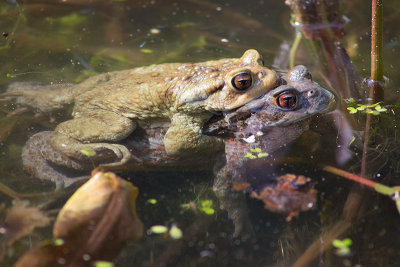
<point>380,109</point>
<point>373,112</point>
<point>159,229</point>
<point>205,203</point>
<point>342,243</point>
<point>374,105</point>
<point>256,150</point>
<point>185,206</point>
<point>175,232</point>
<point>337,243</point>
<point>4,47</point>
<point>347,242</point>
<point>345,251</point>
<point>59,242</point>
<point>207,210</point>
<point>262,155</point>
<point>72,20</point>
<point>152,201</point>
<point>146,51</point>
<point>361,107</point>
<point>103,264</point>
<point>352,141</point>
<point>352,110</point>
<point>186,24</point>
<point>350,101</point>
<point>250,156</point>
<point>89,153</point>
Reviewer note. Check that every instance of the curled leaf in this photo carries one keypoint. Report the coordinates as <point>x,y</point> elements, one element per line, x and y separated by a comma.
<point>94,225</point>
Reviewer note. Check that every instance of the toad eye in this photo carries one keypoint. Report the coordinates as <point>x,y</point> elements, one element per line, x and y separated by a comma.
<point>287,100</point>
<point>242,81</point>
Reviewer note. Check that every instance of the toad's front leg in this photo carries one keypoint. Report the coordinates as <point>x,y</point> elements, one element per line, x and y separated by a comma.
<point>93,139</point>
<point>184,137</point>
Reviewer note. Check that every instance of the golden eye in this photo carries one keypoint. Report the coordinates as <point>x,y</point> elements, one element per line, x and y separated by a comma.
<point>286,100</point>
<point>242,81</point>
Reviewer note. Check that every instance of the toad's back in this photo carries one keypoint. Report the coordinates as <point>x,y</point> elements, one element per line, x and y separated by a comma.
<point>159,91</point>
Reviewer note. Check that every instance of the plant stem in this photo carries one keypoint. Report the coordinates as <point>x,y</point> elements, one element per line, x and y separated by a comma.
<point>377,82</point>
<point>350,176</point>
<point>294,49</point>
<point>376,79</point>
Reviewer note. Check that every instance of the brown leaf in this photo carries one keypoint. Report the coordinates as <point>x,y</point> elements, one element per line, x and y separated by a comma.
<point>290,195</point>
<point>95,224</point>
<point>20,221</point>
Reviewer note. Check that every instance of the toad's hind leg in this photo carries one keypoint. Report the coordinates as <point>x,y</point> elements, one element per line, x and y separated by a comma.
<point>93,138</point>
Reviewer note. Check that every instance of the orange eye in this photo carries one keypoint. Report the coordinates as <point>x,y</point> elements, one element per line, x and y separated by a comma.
<point>242,81</point>
<point>286,100</point>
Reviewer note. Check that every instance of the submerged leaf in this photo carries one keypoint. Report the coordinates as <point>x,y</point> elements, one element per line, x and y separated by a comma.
<point>342,246</point>
<point>289,195</point>
<point>72,20</point>
<point>146,51</point>
<point>20,221</point>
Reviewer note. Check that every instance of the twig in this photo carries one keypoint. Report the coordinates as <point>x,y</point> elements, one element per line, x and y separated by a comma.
<point>12,194</point>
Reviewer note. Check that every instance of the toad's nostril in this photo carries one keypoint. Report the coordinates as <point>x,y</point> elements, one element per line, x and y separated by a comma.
<point>310,93</point>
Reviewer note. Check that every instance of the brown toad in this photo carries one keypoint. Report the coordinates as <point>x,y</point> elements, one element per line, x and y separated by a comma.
<point>268,114</point>
<point>109,107</point>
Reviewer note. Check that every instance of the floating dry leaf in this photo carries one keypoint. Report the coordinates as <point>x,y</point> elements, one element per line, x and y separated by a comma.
<point>94,225</point>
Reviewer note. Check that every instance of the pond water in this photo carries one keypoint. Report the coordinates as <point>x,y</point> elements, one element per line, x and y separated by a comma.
<point>68,41</point>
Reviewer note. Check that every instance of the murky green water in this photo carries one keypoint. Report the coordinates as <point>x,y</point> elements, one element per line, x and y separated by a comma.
<point>67,42</point>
